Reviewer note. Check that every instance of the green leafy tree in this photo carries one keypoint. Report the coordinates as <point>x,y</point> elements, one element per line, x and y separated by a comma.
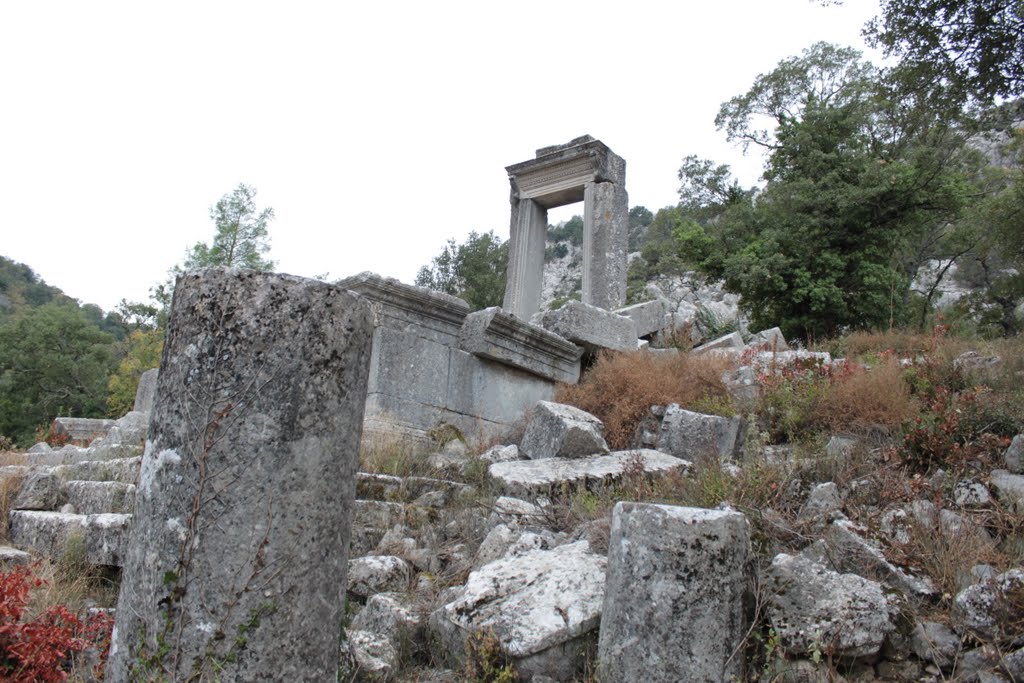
<point>240,241</point>
<point>142,352</point>
<point>53,360</point>
<point>854,186</point>
<point>473,271</point>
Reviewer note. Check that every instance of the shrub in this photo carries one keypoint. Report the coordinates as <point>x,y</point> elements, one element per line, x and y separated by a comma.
<point>621,387</point>
<point>44,649</point>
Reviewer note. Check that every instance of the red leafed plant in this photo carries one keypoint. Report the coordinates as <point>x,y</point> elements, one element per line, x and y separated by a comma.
<point>43,649</point>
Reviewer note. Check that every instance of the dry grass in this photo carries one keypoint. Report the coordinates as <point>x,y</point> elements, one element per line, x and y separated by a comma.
<point>866,400</point>
<point>10,487</point>
<point>621,387</point>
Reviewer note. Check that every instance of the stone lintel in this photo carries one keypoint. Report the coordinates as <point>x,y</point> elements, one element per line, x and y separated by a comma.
<point>649,316</point>
<point>407,303</point>
<point>495,335</point>
<point>558,174</point>
<point>591,327</point>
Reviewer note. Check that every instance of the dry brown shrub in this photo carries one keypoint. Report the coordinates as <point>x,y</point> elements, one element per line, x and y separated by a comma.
<point>621,387</point>
<point>10,487</point>
<point>866,400</point>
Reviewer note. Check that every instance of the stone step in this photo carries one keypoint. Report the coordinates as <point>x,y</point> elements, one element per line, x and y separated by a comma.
<point>386,487</point>
<point>96,497</point>
<point>124,470</point>
<point>102,538</point>
<point>70,454</point>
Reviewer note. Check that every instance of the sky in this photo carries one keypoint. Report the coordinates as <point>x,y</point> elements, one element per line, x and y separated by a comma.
<point>375,130</point>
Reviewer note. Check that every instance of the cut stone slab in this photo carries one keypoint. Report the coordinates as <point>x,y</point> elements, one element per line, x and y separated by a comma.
<point>591,327</point>
<point>499,336</point>
<point>690,435</point>
<point>377,574</point>
<point>94,497</point>
<point>849,551</point>
<point>674,597</point>
<point>730,342</point>
<point>145,394</point>
<point>81,429</point>
<point>769,340</point>
<point>553,475</point>
<point>649,316</point>
<point>243,514</point>
<point>815,609</point>
<point>41,490</point>
<point>539,605</point>
<point>105,536</point>
<point>556,430</point>
<point>12,557</point>
<point>124,470</point>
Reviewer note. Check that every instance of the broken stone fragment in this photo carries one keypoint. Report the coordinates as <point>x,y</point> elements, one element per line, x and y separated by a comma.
<point>556,430</point>
<point>372,574</point>
<point>690,435</point>
<point>992,610</point>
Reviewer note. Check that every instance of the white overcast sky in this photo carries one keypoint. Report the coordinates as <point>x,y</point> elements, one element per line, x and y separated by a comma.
<point>376,130</point>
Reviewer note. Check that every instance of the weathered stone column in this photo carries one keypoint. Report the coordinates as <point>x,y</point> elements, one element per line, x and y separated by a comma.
<point>239,545</point>
<point>674,597</point>
<point>528,233</point>
<point>605,241</point>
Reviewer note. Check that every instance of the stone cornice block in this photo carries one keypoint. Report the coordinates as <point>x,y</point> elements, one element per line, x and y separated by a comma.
<point>591,327</point>
<point>498,336</point>
<point>390,297</point>
<point>557,175</point>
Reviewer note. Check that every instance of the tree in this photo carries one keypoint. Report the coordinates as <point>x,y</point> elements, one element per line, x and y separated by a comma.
<point>473,271</point>
<point>142,352</point>
<point>53,360</point>
<point>966,49</point>
<point>240,241</point>
<point>854,185</point>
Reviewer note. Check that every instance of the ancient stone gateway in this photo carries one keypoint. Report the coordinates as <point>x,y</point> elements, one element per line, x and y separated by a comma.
<point>584,170</point>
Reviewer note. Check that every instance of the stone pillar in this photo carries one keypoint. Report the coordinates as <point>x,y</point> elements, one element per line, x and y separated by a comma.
<point>675,593</point>
<point>236,567</point>
<point>605,240</point>
<point>525,258</point>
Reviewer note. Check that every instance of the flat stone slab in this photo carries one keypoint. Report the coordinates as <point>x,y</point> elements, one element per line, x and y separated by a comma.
<point>591,327</point>
<point>685,433</point>
<point>124,470</point>
<point>97,497</point>
<point>10,557</point>
<point>105,535</point>
<point>556,430</point>
<point>499,336</point>
<point>550,475</point>
<point>81,428</point>
<point>532,602</point>
<point>649,316</point>
<point>730,342</point>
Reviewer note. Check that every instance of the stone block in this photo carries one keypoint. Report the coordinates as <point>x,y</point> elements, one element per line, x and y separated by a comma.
<point>81,429</point>
<point>649,317</point>
<point>124,470</point>
<point>591,327</point>
<point>812,608</point>
<point>41,490</point>
<point>483,389</point>
<point>769,340</point>
<point>555,430</point>
<point>95,497</point>
<point>539,604</point>
<point>103,538</point>
<point>674,597</point>
<point>605,244</point>
<point>1014,456</point>
<point>407,365</point>
<point>145,394</point>
<point>12,557</point>
<point>498,336</point>
<point>990,610</point>
<point>1009,489</point>
<point>730,342</point>
<point>373,574</point>
<point>243,515</point>
<point>555,475</point>
<point>687,434</point>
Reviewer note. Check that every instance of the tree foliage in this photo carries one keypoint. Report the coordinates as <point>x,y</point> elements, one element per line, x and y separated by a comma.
<point>473,271</point>
<point>53,361</point>
<point>967,49</point>
<point>142,352</point>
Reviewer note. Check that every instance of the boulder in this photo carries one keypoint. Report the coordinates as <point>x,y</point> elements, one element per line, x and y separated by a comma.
<point>539,605</point>
<point>690,435</point>
<point>561,431</point>
<point>1009,488</point>
<point>936,643</point>
<point>814,609</point>
<point>1014,456</point>
<point>992,610</point>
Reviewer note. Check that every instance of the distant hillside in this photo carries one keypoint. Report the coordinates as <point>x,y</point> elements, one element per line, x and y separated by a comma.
<point>21,287</point>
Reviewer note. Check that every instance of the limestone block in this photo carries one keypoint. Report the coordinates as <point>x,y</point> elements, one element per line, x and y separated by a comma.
<point>991,610</point>
<point>501,454</point>
<point>125,470</point>
<point>479,388</point>
<point>649,316</point>
<point>690,435</point>
<point>243,513</point>
<point>554,475</point>
<point>103,538</point>
<point>131,429</point>
<point>41,447</point>
<point>539,604</point>
<point>769,340</point>
<point>409,366</point>
<point>972,494</point>
<point>728,342</point>
<point>81,429</point>
<point>371,519</point>
<point>674,598</point>
<point>556,430</point>
<point>1014,456</point>
<point>388,615</point>
<point>1009,489</point>
<point>375,655</point>
<point>498,336</point>
<point>815,609</point>
<point>822,503</point>
<point>40,491</point>
<point>849,551</point>
<point>94,497</point>
<point>591,327</point>
<point>377,574</point>
<point>936,643</point>
<point>145,395</point>
<point>605,244</point>
<point>12,557</point>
